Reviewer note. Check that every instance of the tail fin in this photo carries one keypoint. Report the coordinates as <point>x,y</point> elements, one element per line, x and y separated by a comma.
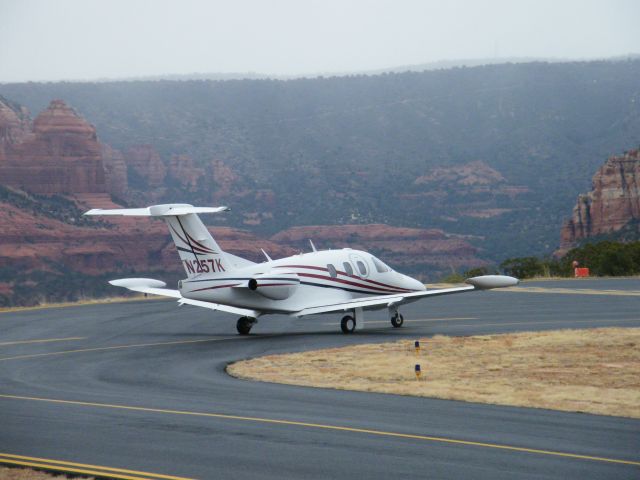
<point>198,251</point>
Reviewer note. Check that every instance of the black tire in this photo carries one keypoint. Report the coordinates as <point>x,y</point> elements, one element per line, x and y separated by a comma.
<point>397,320</point>
<point>348,324</point>
<point>244,325</point>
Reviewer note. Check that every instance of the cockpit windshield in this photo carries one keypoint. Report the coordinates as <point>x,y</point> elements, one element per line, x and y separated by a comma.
<point>381,267</point>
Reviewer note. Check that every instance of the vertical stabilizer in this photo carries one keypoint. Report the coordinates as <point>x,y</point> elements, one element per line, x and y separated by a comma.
<point>199,252</point>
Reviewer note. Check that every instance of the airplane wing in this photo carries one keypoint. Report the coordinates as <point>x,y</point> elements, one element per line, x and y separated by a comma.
<point>155,287</point>
<point>485,282</point>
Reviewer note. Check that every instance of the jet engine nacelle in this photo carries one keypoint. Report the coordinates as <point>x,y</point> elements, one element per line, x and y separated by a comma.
<point>277,286</point>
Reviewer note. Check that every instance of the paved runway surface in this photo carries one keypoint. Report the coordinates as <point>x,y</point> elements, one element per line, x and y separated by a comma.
<point>144,387</point>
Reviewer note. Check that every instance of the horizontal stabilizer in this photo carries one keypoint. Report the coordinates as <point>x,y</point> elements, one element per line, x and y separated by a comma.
<point>146,285</point>
<point>155,287</point>
<point>167,210</point>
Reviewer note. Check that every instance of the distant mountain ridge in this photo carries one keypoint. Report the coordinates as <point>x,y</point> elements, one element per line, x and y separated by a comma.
<point>410,67</point>
<point>54,168</point>
<point>404,149</point>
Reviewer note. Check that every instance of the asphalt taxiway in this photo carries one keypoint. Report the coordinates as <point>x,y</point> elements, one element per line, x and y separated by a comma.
<point>142,387</point>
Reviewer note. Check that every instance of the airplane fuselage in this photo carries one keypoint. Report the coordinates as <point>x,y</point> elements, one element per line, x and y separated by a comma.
<point>293,283</point>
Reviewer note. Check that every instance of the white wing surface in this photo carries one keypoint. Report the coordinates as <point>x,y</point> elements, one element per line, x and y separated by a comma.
<point>485,282</point>
<point>381,301</point>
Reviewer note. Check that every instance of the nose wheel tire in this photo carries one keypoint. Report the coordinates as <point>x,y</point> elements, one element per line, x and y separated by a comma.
<point>397,320</point>
<point>244,325</point>
<point>348,324</point>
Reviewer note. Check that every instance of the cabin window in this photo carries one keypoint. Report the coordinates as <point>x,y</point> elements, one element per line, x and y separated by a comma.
<point>380,266</point>
<point>332,271</point>
<point>362,267</point>
<point>348,268</point>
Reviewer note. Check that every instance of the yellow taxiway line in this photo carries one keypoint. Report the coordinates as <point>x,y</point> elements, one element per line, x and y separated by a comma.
<point>43,340</point>
<point>422,320</point>
<point>426,438</point>
<point>82,468</point>
<point>82,303</point>
<point>116,347</point>
<point>544,322</point>
<point>571,291</point>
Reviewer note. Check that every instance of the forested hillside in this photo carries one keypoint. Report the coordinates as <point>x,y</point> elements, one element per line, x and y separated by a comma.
<point>498,152</point>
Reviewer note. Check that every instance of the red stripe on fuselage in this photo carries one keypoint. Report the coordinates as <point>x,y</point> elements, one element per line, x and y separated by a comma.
<point>310,275</point>
<point>217,286</point>
<point>347,282</point>
<point>386,285</point>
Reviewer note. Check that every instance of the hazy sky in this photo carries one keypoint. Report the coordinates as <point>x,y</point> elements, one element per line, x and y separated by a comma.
<point>84,39</point>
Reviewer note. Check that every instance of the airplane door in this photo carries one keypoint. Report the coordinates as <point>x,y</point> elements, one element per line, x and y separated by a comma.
<point>362,270</point>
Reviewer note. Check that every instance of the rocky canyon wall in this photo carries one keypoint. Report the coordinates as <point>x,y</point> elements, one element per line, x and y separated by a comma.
<point>612,204</point>
<point>54,168</point>
<point>60,154</point>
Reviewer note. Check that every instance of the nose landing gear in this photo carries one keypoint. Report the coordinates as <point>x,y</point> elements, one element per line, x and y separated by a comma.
<point>396,318</point>
<point>244,325</point>
<point>348,324</point>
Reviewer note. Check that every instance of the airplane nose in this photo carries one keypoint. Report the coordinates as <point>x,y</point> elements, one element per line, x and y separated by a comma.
<point>413,284</point>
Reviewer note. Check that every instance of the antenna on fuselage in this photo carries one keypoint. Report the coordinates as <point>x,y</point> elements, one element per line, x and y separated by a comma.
<point>266,255</point>
<point>313,247</point>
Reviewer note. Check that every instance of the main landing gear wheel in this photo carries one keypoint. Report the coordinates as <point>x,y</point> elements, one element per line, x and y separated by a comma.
<point>397,320</point>
<point>244,325</point>
<point>348,324</point>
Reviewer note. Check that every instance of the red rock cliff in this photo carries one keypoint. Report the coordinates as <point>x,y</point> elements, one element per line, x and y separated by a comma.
<point>61,155</point>
<point>613,202</point>
<point>146,162</point>
<point>14,124</point>
<point>183,171</point>
<point>115,171</point>
<point>428,249</point>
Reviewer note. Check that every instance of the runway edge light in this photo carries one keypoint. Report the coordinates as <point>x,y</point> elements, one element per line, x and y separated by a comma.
<point>417,347</point>
<point>418,371</point>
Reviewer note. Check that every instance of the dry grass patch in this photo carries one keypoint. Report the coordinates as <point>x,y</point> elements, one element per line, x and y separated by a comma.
<point>594,371</point>
<point>28,474</point>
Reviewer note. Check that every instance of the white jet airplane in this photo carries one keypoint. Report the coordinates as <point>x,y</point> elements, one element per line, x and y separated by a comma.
<point>346,280</point>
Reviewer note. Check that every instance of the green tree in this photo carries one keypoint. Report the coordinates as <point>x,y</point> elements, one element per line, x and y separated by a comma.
<point>526,267</point>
